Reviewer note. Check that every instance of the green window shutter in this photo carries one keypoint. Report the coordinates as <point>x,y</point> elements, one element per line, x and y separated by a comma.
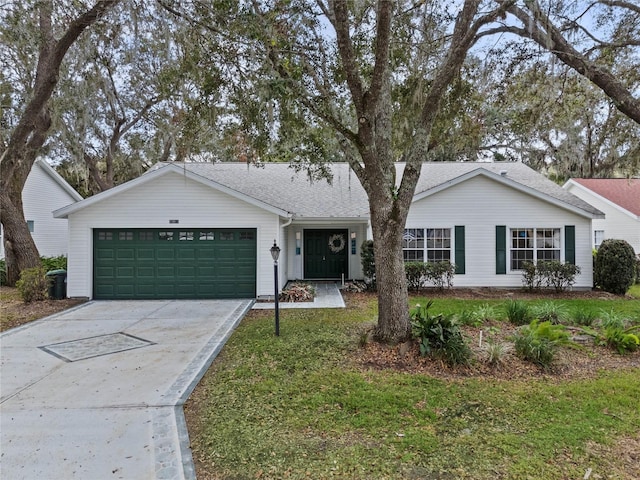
<point>570,244</point>
<point>459,249</point>
<point>501,249</point>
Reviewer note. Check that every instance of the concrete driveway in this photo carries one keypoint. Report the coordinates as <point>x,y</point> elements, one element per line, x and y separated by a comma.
<point>96,392</point>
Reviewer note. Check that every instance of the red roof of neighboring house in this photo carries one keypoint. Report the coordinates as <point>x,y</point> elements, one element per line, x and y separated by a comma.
<point>624,192</point>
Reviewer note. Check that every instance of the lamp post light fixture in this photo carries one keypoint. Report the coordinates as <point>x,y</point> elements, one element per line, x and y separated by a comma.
<point>275,254</point>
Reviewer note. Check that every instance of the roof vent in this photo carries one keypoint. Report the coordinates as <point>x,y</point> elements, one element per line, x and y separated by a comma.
<point>503,173</point>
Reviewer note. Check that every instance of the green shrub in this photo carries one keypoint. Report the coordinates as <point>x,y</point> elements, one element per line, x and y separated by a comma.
<point>54,263</point>
<point>415,274</point>
<point>530,278</point>
<point>33,284</point>
<point>518,312</point>
<point>612,319</point>
<point>368,262</point>
<point>467,317</point>
<point>439,335</point>
<point>537,342</point>
<point>553,312</point>
<point>557,275</point>
<point>484,313</point>
<point>550,274</point>
<point>615,266</point>
<point>495,352</point>
<point>584,317</point>
<point>622,340</point>
<point>440,273</point>
<point>3,272</point>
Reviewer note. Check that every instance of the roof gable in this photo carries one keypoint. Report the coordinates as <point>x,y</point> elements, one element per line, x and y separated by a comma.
<point>150,176</point>
<point>57,178</point>
<point>622,192</point>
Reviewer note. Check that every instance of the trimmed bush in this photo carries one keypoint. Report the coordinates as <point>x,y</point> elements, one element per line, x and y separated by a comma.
<point>415,272</point>
<point>368,262</point>
<point>3,272</point>
<point>550,274</point>
<point>33,284</point>
<point>615,266</point>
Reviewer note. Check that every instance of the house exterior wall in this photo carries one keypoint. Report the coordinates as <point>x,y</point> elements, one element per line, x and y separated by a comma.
<point>42,195</point>
<point>616,224</point>
<point>480,204</point>
<point>151,205</point>
<point>295,263</point>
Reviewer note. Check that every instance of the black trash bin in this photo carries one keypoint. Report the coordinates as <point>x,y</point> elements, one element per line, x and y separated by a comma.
<point>57,284</point>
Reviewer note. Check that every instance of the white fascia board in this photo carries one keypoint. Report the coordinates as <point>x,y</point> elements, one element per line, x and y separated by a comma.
<point>510,183</point>
<point>149,177</point>
<point>49,170</point>
<point>329,220</point>
<point>573,183</point>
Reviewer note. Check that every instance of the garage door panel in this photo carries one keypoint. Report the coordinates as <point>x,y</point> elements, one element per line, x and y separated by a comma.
<point>148,263</point>
<point>164,253</point>
<point>145,254</point>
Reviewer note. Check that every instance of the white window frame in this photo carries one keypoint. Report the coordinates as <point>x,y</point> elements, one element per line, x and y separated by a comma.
<point>539,243</point>
<point>429,244</point>
<point>596,243</point>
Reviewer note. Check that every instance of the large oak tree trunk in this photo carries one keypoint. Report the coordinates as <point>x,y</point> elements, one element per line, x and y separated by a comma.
<point>19,248</point>
<point>393,311</point>
<point>29,135</point>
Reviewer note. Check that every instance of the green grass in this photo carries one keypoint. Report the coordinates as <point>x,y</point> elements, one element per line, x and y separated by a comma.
<point>634,291</point>
<point>626,308</point>
<point>295,407</point>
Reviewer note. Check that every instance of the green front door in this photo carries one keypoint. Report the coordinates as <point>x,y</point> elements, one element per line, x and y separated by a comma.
<point>184,263</point>
<point>325,254</point>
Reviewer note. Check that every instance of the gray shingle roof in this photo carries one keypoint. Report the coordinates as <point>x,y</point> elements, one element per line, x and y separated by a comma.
<point>278,185</point>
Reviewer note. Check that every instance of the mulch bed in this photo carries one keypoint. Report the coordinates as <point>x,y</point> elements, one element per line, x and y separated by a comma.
<point>583,361</point>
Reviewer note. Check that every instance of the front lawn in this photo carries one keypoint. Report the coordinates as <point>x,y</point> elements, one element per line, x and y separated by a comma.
<point>309,405</point>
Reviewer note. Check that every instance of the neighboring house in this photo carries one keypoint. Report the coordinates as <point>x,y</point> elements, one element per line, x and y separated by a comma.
<point>45,191</point>
<point>619,199</point>
<point>201,230</point>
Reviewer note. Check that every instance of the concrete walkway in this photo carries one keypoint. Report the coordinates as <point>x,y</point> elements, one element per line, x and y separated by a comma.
<point>327,296</point>
<point>96,392</point>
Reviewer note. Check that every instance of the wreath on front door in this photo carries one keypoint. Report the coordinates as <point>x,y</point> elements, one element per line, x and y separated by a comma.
<point>336,242</point>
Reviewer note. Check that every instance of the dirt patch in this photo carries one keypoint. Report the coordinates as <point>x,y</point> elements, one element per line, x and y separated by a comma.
<point>14,312</point>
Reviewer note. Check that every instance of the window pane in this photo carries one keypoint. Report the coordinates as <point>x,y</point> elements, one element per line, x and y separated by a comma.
<point>206,236</point>
<point>125,235</point>
<point>186,236</point>
<point>226,236</point>
<point>165,236</point>
<point>247,235</point>
<point>413,255</point>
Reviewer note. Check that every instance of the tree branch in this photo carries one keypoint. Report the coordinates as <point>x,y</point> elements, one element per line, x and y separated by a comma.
<point>541,30</point>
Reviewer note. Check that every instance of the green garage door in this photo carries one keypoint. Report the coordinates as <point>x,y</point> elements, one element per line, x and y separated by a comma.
<point>184,263</point>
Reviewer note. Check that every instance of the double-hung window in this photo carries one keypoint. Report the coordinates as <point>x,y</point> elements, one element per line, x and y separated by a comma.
<point>598,237</point>
<point>426,245</point>
<point>533,245</point>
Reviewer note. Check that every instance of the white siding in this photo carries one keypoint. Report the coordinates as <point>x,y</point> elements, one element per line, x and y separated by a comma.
<point>480,204</point>
<point>40,197</point>
<point>616,224</point>
<point>152,205</point>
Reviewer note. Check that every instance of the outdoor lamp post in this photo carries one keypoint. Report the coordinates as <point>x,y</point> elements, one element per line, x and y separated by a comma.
<point>275,254</point>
